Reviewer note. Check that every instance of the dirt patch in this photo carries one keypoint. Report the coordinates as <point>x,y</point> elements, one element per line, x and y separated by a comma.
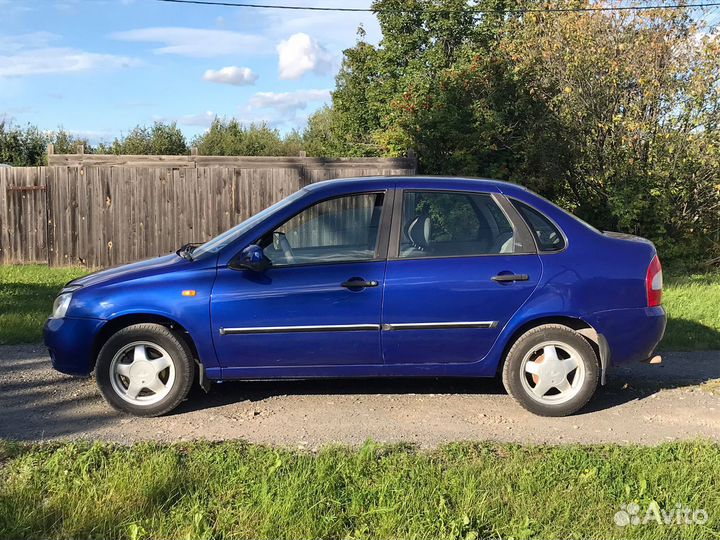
<point>640,404</point>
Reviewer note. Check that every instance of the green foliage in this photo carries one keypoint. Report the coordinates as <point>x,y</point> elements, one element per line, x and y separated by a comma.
<point>319,139</point>
<point>67,143</point>
<point>21,147</point>
<point>638,102</point>
<point>231,138</point>
<point>159,139</point>
<point>613,114</point>
<point>460,491</point>
<point>27,147</point>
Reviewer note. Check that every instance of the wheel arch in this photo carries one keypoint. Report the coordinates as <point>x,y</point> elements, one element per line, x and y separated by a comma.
<point>581,326</point>
<point>128,319</point>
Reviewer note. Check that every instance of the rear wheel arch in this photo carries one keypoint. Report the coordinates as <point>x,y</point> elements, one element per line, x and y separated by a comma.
<point>582,327</point>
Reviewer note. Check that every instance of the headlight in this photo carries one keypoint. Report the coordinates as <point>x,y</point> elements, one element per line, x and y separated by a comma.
<point>60,306</point>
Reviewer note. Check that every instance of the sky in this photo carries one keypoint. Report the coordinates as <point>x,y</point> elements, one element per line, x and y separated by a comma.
<point>97,68</point>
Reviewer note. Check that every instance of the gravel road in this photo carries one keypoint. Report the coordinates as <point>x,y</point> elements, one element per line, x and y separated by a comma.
<point>641,404</point>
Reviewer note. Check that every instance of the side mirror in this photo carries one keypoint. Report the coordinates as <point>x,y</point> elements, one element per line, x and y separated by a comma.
<point>251,258</point>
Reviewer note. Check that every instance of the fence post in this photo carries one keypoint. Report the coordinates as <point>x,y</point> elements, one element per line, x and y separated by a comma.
<point>50,149</point>
<point>413,157</point>
<point>49,225</point>
<point>81,149</point>
<point>303,168</point>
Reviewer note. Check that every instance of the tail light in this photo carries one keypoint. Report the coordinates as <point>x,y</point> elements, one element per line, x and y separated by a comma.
<point>654,283</point>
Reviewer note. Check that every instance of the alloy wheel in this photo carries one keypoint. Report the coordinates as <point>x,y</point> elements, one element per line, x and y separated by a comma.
<point>142,373</point>
<point>552,373</point>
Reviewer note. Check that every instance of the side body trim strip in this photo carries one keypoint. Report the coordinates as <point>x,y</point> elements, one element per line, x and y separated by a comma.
<point>283,329</point>
<point>440,325</point>
<point>357,327</point>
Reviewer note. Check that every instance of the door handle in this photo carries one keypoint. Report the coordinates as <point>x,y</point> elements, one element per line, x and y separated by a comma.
<point>358,283</point>
<point>505,278</point>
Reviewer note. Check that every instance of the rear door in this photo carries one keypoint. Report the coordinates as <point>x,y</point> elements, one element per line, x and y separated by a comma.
<point>460,265</point>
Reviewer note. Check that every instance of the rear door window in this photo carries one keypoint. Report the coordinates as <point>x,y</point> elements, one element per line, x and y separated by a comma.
<point>453,224</point>
<point>547,235</point>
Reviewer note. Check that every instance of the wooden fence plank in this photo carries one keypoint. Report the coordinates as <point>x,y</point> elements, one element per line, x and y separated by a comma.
<point>100,214</point>
<point>23,215</point>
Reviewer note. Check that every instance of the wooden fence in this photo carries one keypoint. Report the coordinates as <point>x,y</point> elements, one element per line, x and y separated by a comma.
<point>103,215</point>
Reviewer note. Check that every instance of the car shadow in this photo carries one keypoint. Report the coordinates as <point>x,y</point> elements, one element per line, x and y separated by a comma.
<point>625,383</point>
<point>39,403</point>
<point>680,333</point>
<point>230,392</point>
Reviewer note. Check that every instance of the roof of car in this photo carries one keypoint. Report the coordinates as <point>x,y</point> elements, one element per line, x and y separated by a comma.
<point>415,182</point>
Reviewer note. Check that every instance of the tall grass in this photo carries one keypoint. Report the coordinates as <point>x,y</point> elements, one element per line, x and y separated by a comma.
<point>461,491</point>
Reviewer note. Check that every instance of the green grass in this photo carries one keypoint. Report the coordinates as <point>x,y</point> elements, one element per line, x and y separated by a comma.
<point>27,293</point>
<point>461,491</point>
<point>693,307</point>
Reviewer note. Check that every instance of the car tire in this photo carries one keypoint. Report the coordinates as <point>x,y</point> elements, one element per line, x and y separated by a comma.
<point>566,381</point>
<point>145,370</point>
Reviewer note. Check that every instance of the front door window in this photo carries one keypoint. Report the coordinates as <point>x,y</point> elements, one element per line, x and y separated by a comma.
<point>342,229</point>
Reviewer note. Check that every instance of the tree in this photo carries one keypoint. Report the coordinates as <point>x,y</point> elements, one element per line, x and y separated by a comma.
<point>66,143</point>
<point>407,88</point>
<point>159,139</point>
<point>635,99</point>
<point>21,147</point>
<point>613,114</point>
<point>319,138</point>
<point>231,138</point>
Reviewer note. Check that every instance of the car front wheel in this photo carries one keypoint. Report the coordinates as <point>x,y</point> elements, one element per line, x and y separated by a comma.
<point>551,370</point>
<point>145,369</point>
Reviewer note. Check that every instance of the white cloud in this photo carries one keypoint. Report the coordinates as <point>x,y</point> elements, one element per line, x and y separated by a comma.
<point>34,54</point>
<point>196,42</point>
<point>93,136</point>
<point>59,60</point>
<point>31,40</point>
<point>336,30</point>
<point>287,102</point>
<point>9,7</point>
<point>204,119</point>
<point>299,54</point>
<point>237,76</point>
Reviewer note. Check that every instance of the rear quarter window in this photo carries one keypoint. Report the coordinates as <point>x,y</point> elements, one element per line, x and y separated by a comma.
<point>547,235</point>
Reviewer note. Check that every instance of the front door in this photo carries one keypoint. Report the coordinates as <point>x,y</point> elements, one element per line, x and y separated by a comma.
<point>459,271</point>
<point>319,304</point>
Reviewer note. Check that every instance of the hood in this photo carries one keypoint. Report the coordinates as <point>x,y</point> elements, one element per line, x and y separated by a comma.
<point>158,265</point>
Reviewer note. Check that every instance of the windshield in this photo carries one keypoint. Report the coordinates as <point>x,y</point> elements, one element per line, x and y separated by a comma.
<point>229,236</point>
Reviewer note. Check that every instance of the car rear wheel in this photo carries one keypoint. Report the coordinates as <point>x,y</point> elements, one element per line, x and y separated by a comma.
<point>145,369</point>
<point>551,370</point>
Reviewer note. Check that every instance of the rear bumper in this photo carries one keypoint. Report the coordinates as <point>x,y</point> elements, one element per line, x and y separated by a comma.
<point>632,334</point>
<point>70,342</point>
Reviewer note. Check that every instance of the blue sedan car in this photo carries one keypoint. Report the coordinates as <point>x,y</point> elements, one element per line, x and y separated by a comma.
<point>373,277</point>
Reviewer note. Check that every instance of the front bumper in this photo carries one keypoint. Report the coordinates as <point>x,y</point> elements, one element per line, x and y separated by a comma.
<point>632,334</point>
<point>71,342</point>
